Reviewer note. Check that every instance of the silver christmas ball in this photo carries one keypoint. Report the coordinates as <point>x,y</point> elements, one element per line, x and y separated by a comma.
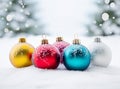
<point>101,54</point>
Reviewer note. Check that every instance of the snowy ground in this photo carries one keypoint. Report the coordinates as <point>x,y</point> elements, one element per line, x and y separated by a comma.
<point>34,78</point>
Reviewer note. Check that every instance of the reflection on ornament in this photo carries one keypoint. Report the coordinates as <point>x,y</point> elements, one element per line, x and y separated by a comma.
<point>100,53</point>
<point>61,45</point>
<point>21,54</point>
<point>46,56</point>
<point>76,56</point>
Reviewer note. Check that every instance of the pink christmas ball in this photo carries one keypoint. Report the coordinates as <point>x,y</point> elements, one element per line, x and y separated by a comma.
<point>61,45</point>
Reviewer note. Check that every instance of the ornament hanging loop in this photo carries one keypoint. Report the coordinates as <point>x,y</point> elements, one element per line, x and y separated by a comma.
<point>22,40</point>
<point>76,40</point>
<point>58,39</point>
<point>44,40</point>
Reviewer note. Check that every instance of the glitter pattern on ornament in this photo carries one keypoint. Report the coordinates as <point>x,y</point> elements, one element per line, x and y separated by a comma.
<point>101,54</point>
<point>21,54</point>
<point>76,56</point>
<point>46,56</point>
<point>61,45</point>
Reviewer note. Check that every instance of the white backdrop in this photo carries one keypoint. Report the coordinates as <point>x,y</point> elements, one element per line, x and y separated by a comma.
<point>63,16</point>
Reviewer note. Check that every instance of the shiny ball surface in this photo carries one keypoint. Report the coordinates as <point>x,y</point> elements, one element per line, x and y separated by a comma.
<point>101,54</point>
<point>21,55</point>
<point>61,46</point>
<point>46,56</point>
<point>76,57</point>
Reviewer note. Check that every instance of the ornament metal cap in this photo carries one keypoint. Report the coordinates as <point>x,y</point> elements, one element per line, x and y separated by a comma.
<point>76,41</point>
<point>58,39</point>
<point>22,40</point>
<point>97,39</point>
<point>44,41</point>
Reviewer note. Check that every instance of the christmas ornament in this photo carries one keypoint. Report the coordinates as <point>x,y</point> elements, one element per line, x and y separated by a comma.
<point>76,56</point>
<point>21,54</point>
<point>60,44</point>
<point>46,56</point>
<point>101,54</point>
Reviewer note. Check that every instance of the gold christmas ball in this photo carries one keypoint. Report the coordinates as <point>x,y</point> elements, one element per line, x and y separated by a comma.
<point>21,54</point>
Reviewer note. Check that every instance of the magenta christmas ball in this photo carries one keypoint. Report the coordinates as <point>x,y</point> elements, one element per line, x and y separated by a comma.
<point>61,45</point>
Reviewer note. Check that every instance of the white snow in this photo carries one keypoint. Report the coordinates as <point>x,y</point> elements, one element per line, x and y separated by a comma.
<point>34,78</point>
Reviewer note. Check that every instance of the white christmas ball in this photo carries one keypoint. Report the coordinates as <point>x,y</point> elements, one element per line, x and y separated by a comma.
<point>101,54</point>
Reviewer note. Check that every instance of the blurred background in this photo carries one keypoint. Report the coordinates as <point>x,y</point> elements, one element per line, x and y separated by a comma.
<point>59,17</point>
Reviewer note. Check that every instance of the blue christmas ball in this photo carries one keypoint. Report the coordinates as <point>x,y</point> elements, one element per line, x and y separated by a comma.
<point>76,56</point>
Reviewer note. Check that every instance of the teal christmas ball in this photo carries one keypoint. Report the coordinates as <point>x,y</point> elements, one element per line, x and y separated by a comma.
<point>76,56</point>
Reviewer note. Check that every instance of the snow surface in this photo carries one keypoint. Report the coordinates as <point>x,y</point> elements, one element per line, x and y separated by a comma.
<point>34,78</point>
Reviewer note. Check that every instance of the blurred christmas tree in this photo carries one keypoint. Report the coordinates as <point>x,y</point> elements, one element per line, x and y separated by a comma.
<point>106,19</point>
<point>18,17</point>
